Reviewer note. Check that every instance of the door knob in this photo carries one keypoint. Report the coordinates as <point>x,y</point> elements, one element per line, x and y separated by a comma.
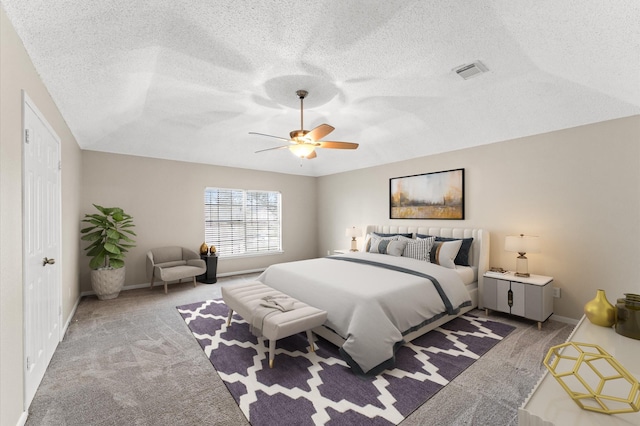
<point>46,261</point>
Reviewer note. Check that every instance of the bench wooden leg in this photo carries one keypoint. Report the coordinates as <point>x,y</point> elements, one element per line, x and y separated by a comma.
<point>272,352</point>
<point>310,339</point>
<point>229,317</point>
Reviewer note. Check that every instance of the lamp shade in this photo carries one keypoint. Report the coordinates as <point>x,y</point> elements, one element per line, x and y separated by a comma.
<point>353,232</point>
<point>522,244</point>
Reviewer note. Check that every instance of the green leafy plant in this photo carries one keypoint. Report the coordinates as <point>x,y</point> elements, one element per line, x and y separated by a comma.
<point>110,236</point>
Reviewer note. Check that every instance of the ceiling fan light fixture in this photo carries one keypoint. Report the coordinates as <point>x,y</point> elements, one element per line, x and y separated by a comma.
<point>305,142</point>
<point>302,150</point>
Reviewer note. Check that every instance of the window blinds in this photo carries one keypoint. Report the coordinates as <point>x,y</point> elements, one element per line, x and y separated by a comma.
<point>239,222</point>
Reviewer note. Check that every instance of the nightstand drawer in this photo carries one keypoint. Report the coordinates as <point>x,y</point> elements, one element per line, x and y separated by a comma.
<point>511,297</point>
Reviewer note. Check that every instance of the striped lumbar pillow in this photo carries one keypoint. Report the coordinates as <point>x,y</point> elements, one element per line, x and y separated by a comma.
<point>419,248</point>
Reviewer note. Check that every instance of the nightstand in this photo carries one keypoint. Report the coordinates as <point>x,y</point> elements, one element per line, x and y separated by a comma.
<point>341,251</point>
<point>528,297</point>
<point>209,277</point>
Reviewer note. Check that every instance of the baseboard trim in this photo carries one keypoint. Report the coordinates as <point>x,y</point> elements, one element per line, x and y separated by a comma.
<point>566,320</point>
<point>69,318</point>
<point>23,418</point>
<point>146,285</point>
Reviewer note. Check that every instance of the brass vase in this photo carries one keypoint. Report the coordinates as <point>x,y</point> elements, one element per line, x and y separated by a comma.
<point>599,311</point>
<point>204,249</point>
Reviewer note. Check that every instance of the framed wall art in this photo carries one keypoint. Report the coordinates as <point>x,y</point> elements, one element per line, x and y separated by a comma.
<point>438,195</point>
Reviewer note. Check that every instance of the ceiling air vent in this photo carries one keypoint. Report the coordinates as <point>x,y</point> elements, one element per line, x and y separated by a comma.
<point>470,70</point>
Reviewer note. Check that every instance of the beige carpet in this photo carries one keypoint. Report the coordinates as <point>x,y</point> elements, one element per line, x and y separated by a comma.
<point>133,361</point>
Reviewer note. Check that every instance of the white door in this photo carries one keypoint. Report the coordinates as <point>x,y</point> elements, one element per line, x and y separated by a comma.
<point>41,245</point>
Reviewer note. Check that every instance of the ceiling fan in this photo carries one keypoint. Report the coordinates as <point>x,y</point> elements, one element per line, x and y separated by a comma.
<point>303,143</point>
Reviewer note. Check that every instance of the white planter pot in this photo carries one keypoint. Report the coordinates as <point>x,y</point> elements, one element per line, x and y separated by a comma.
<point>107,283</point>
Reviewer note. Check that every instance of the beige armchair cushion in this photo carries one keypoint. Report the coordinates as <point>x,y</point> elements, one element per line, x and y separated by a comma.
<point>173,263</point>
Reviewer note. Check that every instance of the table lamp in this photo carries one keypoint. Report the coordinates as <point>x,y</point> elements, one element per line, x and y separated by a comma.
<point>353,232</point>
<point>522,244</point>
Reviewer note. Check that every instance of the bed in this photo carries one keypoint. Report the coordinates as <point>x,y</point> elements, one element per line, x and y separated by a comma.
<point>376,302</point>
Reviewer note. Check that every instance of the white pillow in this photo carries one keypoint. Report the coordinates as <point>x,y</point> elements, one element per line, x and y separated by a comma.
<point>418,248</point>
<point>444,253</point>
<point>393,247</point>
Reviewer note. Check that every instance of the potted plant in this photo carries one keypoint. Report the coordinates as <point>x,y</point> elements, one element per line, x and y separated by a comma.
<point>110,237</point>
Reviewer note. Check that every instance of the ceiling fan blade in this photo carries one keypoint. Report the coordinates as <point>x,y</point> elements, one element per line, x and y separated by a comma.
<point>271,149</point>
<point>337,145</point>
<point>269,136</point>
<point>312,155</point>
<point>319,132</point>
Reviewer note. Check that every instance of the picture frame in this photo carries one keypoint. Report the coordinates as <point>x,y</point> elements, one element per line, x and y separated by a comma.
<point>436,195</point>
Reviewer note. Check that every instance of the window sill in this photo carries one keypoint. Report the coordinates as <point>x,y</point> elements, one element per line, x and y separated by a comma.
<point>249,255</point>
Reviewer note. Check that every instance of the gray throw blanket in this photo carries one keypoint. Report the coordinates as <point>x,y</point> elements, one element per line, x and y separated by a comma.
<point>268,306</point>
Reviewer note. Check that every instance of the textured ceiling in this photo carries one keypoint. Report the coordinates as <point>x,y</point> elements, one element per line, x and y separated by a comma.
<point>188,79</point>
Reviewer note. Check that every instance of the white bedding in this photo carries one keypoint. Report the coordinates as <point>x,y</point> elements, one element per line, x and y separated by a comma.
<point>369,306</point>
<point>468,274</point>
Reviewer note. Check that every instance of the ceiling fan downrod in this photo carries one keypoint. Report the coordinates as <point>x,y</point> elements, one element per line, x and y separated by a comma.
<point>302,94</point>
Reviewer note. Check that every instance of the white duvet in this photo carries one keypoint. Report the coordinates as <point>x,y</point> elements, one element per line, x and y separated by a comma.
<point>369,306</point>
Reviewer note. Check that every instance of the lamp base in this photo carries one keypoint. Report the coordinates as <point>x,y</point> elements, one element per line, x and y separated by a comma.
<point>522,266</point>
<point>354,244</point>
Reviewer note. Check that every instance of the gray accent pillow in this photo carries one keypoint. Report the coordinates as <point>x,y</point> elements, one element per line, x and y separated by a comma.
<point>386,246</point>
<point>367,246</point>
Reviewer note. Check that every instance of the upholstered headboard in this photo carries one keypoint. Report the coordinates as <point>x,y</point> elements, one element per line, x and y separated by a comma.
<point>478,255</point>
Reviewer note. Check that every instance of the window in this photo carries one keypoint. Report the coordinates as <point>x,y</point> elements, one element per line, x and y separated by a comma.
<point>241,223</point>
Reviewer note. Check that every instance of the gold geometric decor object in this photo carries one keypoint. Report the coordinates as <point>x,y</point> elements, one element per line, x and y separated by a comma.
<point>593,378</point>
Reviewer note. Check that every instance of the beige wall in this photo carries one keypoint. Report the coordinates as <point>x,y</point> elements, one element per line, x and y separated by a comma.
<point>166,200</point>
<point>578,189</point>
<point>17,73</point>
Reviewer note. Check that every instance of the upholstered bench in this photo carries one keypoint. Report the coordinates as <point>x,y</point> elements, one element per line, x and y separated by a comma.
<point>246,298</point>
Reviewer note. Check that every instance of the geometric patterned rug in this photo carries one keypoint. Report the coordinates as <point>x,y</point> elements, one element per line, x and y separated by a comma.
<point>318,388</point>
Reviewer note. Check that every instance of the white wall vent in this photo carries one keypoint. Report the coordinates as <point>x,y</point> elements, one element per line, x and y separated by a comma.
<point>470,70</point>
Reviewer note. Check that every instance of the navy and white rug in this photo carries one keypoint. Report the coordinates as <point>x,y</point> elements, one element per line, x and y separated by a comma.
<point>307,388</point>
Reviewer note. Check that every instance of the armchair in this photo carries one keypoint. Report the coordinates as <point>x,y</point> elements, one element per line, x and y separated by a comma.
<point>173,263</point>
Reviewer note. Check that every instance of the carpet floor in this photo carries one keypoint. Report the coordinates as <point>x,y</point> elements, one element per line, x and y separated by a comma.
<point>133,360</point>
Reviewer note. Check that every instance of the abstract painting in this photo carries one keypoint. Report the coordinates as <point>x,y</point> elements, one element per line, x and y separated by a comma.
<point>438,195</point>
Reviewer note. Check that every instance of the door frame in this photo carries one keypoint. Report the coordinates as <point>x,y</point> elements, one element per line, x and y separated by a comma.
<point>26,100</point>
